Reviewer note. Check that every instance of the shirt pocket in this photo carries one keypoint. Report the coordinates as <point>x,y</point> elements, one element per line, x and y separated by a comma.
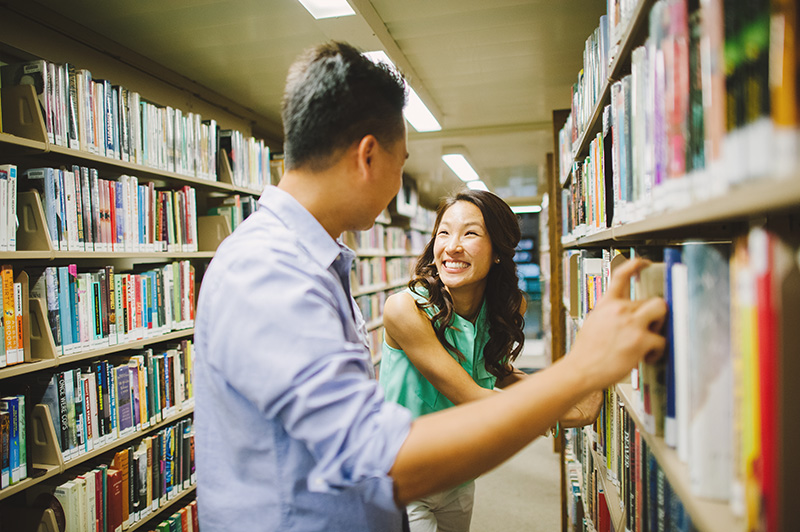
<point>483,378</point>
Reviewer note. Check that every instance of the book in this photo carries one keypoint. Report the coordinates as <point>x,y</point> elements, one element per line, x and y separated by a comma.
<point>5,449</point>
<point>710,375</point>
<point>15,407</point>
<point>124,400</point>
<point>115,500</point>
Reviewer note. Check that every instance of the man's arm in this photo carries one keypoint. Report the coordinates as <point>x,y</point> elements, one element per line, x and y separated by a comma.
<point>458,444</point>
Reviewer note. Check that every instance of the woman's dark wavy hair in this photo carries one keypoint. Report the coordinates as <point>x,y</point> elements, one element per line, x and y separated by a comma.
<point>503,296</point>
<point>334,96</point>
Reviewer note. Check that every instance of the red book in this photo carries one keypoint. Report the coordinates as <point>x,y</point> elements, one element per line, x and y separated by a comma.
<point>114,502</point>
<point>98,496</point>
<point>768,374</point>
<point>184,513</point>
<point>195,520</point>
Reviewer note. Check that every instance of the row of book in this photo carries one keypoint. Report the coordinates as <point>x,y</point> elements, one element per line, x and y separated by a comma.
<point>140,479</point>
<point>97,308</point>
<point>12,330</point>
<point>369,272</point>
<point>89,114</point>
<point>686,125</point>
<point>8,207</point>
<point>86,213</point>
<point>235,209</point>
<point>13,441</point>
<point>249,159</point>
<point>381,238</point>
<point>184,520</point>
<point>647,499</point>
<point>97,404</point>
<point>716,394</point>
<point>588,89</point>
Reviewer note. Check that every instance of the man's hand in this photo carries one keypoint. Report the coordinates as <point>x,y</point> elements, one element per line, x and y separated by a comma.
<point>619,332</point>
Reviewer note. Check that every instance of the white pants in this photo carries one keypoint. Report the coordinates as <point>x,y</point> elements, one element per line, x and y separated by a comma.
<point>448,511</point>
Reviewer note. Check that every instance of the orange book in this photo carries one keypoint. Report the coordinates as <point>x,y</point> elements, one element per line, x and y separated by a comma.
<point>9,314</point>
<point>120,463</point>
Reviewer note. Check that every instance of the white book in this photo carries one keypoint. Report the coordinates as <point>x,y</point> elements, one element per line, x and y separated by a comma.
<point>11,200</point>
<point>4,216</point>
<point>71,208</point>
<point>680,333</point>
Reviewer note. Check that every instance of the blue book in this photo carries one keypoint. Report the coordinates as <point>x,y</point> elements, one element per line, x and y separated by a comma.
<point>64,307</point>
<point>119,205</point>
<point>124,407</point>
<point>5,447</point>
<point>11,406</point>
<point>672,255</point>
<point>74,302</point>
<point>111,381</point>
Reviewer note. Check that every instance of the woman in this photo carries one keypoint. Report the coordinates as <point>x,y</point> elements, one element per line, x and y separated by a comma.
<point>452,336</point>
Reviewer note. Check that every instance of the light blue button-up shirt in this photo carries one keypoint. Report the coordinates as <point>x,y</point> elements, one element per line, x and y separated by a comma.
<point>292,431</point>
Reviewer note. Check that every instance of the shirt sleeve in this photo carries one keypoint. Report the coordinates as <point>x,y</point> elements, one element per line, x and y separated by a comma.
<point>279,341</point>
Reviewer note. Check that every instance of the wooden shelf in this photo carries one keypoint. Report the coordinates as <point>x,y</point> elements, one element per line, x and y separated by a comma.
<point>754,199</point>
<point>707,516</point>
<point>378,288</point>
<point>49,447</point>
<point>135,344</point>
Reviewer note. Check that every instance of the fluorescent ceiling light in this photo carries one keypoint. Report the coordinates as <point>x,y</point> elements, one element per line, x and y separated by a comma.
<point>526,208</point>
<point>417,114</point>
<point>460,166</point>
<point>327,8</point>
<point>477,185</point>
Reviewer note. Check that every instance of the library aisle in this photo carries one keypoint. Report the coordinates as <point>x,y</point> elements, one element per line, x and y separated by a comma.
<point>522,494</point>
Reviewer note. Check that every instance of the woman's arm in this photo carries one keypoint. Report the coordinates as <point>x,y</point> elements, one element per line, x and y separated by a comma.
<point>409,328</point>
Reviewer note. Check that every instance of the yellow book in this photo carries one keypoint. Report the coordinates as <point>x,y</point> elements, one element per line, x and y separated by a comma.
<point>9,312</point>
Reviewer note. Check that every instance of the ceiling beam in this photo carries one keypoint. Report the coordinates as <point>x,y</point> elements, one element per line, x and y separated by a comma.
<point>497,129</point>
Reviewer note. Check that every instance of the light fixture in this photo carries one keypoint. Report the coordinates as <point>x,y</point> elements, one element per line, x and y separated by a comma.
<point>327,8</point>
<point>477,185</point>
<point>456,158</point>
<point>520,209</point>
<point>417,114</point>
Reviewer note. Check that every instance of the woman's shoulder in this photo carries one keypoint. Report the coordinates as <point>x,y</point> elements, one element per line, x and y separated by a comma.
<point>401,309</point>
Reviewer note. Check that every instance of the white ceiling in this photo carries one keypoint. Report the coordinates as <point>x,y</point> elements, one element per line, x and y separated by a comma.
<point>491,71</point>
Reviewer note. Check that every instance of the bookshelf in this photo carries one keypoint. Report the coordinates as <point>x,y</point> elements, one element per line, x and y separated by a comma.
<point>386,255</point>
<point>725,194</point>
<point>30,35</point>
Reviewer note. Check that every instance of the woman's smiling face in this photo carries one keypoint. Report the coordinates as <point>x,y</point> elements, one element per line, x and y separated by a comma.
<point>462,249</point>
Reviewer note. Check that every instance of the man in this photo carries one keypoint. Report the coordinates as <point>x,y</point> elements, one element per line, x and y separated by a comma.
<point>292,430</point>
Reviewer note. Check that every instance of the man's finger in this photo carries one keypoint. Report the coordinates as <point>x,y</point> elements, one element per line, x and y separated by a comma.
<point>620,284</point>
<point>652,313</point>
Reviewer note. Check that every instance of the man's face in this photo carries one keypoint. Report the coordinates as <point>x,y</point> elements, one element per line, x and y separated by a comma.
<point>390,159</point>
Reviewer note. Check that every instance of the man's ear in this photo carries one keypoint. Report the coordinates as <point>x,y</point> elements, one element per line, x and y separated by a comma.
<point>366,150</point>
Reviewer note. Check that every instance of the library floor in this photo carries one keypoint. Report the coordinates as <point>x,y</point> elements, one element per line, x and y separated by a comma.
<point>521,495</point>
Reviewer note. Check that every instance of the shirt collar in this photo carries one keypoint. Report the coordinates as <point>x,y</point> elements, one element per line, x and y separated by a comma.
<point>309,232</point>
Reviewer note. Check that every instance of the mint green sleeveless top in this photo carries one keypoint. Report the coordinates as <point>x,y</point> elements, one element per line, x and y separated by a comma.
<point>404,384</point>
